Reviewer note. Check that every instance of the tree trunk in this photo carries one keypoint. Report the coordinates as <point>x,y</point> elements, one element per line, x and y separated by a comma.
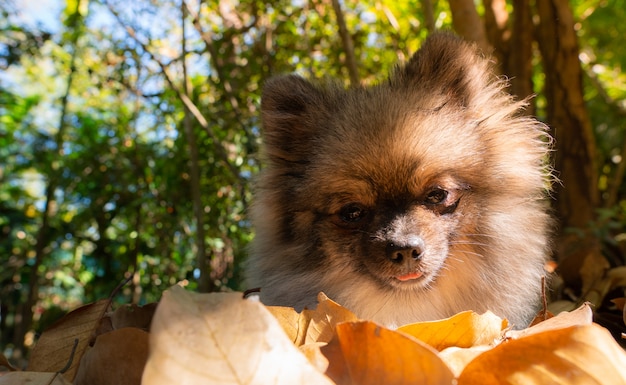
<point>568,118</point>
<point>496,27</point>
<point>205,283</point>
<point>467,23</point>
<point>519,67</point>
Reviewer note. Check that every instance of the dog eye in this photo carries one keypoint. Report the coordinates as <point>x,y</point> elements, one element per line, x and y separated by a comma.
<point>352,213</point>
<point>436,196</point>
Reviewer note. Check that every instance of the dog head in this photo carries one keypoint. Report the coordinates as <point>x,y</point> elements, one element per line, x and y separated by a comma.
<point>431,174</point>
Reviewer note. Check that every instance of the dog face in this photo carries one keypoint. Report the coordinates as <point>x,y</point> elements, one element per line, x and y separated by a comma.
<point>379,205</point>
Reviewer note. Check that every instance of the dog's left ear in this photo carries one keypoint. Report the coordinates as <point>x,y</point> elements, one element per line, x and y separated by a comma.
<point>448,66</point>
<point>291,109</point>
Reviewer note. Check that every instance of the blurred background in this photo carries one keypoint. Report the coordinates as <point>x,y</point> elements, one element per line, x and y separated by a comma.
<point>129,133</point>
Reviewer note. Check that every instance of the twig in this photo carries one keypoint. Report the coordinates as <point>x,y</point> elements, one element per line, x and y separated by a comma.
<point>209,44</point>
<point>121,285</point>
<point>68,365</point>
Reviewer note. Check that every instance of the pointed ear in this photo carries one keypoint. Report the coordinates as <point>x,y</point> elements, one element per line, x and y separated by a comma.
<point>448,66</point>
<point>290,106</point>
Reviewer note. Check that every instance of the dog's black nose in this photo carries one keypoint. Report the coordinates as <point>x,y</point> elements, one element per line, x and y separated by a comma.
<point>402,252</point>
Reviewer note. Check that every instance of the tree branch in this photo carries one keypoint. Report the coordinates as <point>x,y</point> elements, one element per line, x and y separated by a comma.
<point>224,82</point>
<point>429,15</point>
<point>187,102</point>
<point>348,46</point>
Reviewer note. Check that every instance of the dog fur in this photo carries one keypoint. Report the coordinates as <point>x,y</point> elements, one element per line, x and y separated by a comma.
<point>406,201</point>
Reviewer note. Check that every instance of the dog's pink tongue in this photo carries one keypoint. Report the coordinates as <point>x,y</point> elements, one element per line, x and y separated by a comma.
<point>410,276</point>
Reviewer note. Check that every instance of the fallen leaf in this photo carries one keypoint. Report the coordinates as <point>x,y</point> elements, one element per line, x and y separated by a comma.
<point>458,358</point>
<point>311,326</point>
<point>617,275</point>
<point>33,378</point>
<point>563,305</point>
<point>221,338</point>
<point>117,357</point>
<point>133,316</point>
<point>54,350</point>
<point>581,316</point>
<point>315,356</point>
<point>325,318</point>
<point>4,361</point>
<point>293,323</point>
<point>620,303</point>
<point>463,330</point>
<point>575,355</point>
<point>365,353</point>
<point>595,285</point>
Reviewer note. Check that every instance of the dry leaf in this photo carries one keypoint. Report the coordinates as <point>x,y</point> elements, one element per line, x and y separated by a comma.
<point>4,362</point>
<point>324,319</point>
<point>458,358</point>
<point>617,275</point>
<point>463,330</point>
<point>117,357</point>
<point>221,338</point>
<point>293,323</point>
<point>575,355</point>
<point>311,326</point>
<point>365,353</point>
<point>581,316</point>
<point>133,316</point>
<point>594,282</point>
<point>53,351</point>
<point>620,303</point>
<point>33,378</point>
<point>315,356</point>
<point>560,306</point>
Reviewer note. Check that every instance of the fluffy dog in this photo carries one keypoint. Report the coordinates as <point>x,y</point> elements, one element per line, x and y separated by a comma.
<point>410,200</point>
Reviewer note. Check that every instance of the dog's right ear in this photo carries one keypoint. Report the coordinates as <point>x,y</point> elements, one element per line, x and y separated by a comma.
<point>290,109</point>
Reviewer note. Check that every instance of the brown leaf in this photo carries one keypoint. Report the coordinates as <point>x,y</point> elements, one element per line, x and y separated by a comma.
<point>221,338</point>
<point>617,275</point>
<point>581,316</point>
<point>463,330</point>
<point>54,349</point>
<point>293,323</point>
<point>117,357</point>
<point>311,326</point>
<point>4,362</point>
<point>592,273</point>
<point>620,303</point>
<point>325,318</point>
<point>133,316</point>
<point>33,378</point>
<point>574,355</point>
<point>365,353</point>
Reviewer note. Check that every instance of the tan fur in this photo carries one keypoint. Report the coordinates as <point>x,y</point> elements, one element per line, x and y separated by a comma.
<point>445,177</point>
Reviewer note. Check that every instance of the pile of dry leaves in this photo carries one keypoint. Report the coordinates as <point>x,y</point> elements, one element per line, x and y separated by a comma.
<point>223,338</point>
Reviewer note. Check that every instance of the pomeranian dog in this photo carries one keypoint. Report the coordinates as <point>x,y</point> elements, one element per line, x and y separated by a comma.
<point>407,201</point>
